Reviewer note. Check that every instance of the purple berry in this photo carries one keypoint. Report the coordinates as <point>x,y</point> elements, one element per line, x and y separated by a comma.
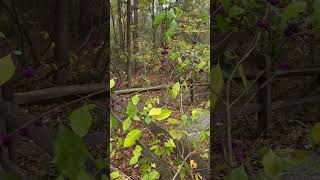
<point>38,122</point>
<point>165,52</point>
<point>284,66</point>
<point>30,73</point>
<point>23,132</point>
<point>163,60</point>
<point>292,28</point>
<point>263,24</point>
<point>274,2</point>
<point>6,139</point>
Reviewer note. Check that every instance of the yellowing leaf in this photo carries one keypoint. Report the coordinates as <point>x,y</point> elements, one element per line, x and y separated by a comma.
<point>126,124</point>
<point>173,121</point>
<point>7,69</point>
<point>193,164</point>
<point>175,90</point>
<point>155,112</point>
<point>176,134</point>
<point>131,137</point>
<point>165,113</point>
<point>112,83</point>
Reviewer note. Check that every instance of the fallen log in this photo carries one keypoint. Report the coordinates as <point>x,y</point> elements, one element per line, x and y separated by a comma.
<point>58,92</point>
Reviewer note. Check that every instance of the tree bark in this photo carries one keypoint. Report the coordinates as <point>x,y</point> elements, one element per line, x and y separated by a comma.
<point>120,28</point>
<point>129,42</point>
<point>60,49</point>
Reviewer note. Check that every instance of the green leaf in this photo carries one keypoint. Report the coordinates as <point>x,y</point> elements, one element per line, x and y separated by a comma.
<point>171,30</point>
<point>239,174</point>
<point>115,175</point>
<point>175,90</point>
<point>134,160</point>
<point>153,175</point>
<point>158,19</point>
<point>315,133</point>
<point>292,10</point>
<point>131,110</point>
<point>131,137</point>
<point>112,83</point>
<point>81,119</point>
<point>135,99</point>
<point>171,15</point>
<point>217,83</point>
<point>170,143</point>
<point>178,11</point>
<point>70,152</point>
<point>235,11</point>
<point>126,124</point>
<point>7,69</point>
<point>176,134</point>
<point>165,113</point>
<point>155,112</point>
<point>83,176</point>
<point>272,164</point>
<point>113,122</point>
<point>101,163</point>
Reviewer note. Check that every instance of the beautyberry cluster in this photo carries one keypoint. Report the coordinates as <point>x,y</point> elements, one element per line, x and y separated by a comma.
<point>292,28</point>
<point>274,2</point>
<point>263,24</point>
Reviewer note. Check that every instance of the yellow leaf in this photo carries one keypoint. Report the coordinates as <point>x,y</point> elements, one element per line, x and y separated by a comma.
<point>193,164</point>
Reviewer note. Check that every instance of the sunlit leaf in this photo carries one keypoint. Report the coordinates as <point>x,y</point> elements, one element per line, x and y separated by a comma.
<point>135,99</point>
<point>126,124</point>
<point>131,137</point>
<point>175,90</point>
<point>176,134</point>
<point>165,113</point>
<point>112,83</point>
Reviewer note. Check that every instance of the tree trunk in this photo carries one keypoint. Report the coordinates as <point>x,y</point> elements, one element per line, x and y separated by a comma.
<point>136,27</point>
<point>114,28</point>
<point>154,30</point>
<point>129,42</point>
<point>121,36</point>
<point>60,49</point>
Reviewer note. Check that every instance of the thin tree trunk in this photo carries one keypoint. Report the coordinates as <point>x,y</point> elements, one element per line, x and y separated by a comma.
<point>120,28</point>
<point>129,42</point>
<point>60,49</point>
<point>114,28</point>
<point>154,30</point>
<point>136,27</point>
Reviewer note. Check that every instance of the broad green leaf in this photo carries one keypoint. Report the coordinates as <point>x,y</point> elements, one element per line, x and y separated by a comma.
<point>292,10</point>
<point>131,110</point>
<point>165,113</point>
<point>171,30</point>
<point>131,137</point>
<point>158,19</point>
<point>176,134</point>
<point>217,83</point>
<point>135,99</point>
<point>272,164</point>
<point>235,11</point>
<point>155,112</point>
<point>175,90</point>
<point>70,152</point>
<point>171,15</point>
<point>81,119</point>
<point>239,174</point>
<point>315,133</point>
<point>126,124</point>
<point>112,83</point>
<point>115,175</point>
<point>83,176</point>
<point>7,69</point>
<point>134,160</point>
<point>113,122</point>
